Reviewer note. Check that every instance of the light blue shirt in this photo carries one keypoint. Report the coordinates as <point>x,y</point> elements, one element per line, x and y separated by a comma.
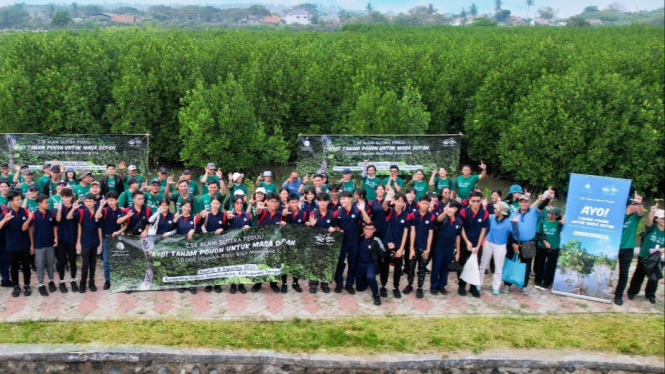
<point>527,224</point>
<point>293,186</point>
<point>499,230</point>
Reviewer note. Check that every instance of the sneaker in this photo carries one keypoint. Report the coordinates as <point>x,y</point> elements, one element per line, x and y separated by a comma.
<point>350,290</point>
<point>16,292</point>
<point>312,290</point>
<point>618,300</point>
<point>75,287</point>
<point>419,293</point>
<point>461,291</point>
<point>182,289</point>
<point>478,288</point>
<point>338,289</point>
<point>51,287</point>
<point>538,287</point>
<point>33,267</point>
<point>192,290</point>
<point>383,292</point>
<point>377,300</point>
<point>63,287</point>
<point>284,288</point>
<point>495,291</point>
<point>27,291</point>
<point>396,293</point>
<point>82,288</point>
<point>407,290</point>
<point>631,296</point>
<point>274,288</point>
<point>434,291</point>
<point>475,293</point>
<point>525,291</point>
<point>218,288</point>
<point>234,288</point>
<point>325,288</point>
<point>443,290</point>
<point>652,300</point>
<point>506,289</point>
<point>208,289</point>
<point>92,287</point>
<point>127,292</point>
<point>532,275</point>
<point>296,287</point>
<point>255,288</point>
<point>242,289</point>
<point>42,291</point>
<point>106,286</point>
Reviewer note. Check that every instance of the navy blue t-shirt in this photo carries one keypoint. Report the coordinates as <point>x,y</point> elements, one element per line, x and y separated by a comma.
<point>89,228</point>
<point>185,224</point>
<point>308,207</point>
<point>110,220</point>
<point>474,223</point>
<point>2,231</point>
<point>268,219</point>
<point>365,251</point>
<point>378,215</point>
<point>423,224</point>
<point>395,226</point>
<point>297,218</point>
<point>67,228</point>
<point>165,223</point>
<point>450,230</point>
<point>15,238</point>
<point>133,221</point>
<point>240,220</point>
<point>349,222</point>
<point>214,222</point>
<point>324,221</point>
<point>43,224</point>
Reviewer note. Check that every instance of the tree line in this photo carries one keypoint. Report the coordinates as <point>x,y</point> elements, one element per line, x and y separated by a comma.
<point>533,104</point>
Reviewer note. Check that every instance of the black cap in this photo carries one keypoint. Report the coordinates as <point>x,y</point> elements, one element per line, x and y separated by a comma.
<point>163,170</point>
<point>55,168</point>
<point>62,181</point>
<point>132,181</point>
<point>33,187</point>
<point>24,166</point>
<point>5,165</point>
<point>186,171</point>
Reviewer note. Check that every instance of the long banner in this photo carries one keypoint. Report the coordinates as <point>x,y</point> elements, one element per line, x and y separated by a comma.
<point>260,254</point>
<point>591,237</point>
<point>89,152</point>
<point>332,154</point>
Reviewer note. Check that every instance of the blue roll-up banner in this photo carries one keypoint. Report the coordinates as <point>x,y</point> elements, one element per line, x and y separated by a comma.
<point>590,240</point>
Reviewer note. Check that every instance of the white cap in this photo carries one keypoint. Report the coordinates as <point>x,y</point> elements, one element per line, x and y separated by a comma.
<point>236,176</point>
<point>131,167</point>
<point>660,213</point>
<point>260,190</point>
<point>239,192</point>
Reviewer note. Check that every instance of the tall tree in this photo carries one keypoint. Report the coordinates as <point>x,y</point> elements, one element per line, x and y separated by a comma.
<point>529,4</point>
<point>61,18</point>
<point>463,14</point>
<point>369,8</point>
<point>75,9</point>
<point>547,13</point>
<point>497,5</point>
<point>431,10</point>
<point>473,10</point>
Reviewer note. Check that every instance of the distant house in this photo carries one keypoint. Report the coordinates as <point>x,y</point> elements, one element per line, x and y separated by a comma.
<point>595,21</point>
<point>516,21</point>
<point>298,16</point>
<point>125,18</point>
<point>540,22</point>
<point>273,19</point>
<point>331,18</point>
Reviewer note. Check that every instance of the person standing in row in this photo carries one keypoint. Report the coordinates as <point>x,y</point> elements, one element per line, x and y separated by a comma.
<point>419,184</point>
<point>44,239</point>
<point>68,233</point>
<point>548,234</point>
<point>269,214</point>
<point>15,221</point>
<point>265,180</point>
<point>370,181</point>
<point>89,241</point>
<point>394,181</point>
<point>322,218</point>
<point>467,181</point>
<point>214,175</point>
<point>441,180</point>
<point>422,225</point>
<point>109,213</point>
<point>500,229</point>
<point>346,182</point>
<point>132,172</point>
<point>447,247</point>
<point>349,218</point>
<point>631,221</point>
<point>654,241</point>
<point>111,182</point>
<point>475,223</point>
<point>395,238</point>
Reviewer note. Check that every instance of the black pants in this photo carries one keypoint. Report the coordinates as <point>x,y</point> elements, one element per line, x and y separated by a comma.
<point>89,257</point>
<point>638,278</point>
<point>545,266</point>
<point>295,280</point>
<point>528,261</point>
<point>66,254</point>
<point>625,258</point>
<point>463,257</point>
<point>19,260</point>
<point>397,272</point>
<point>419,259</point>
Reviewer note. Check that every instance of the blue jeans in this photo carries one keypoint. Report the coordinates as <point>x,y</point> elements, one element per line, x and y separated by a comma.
<point>4,264</point>
<point>439,275</point>
<point>366,275</point>
<point>105,260</point>
<point>350,251</point>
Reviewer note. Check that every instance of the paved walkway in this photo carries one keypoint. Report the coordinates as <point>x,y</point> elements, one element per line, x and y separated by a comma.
<point>266,305</point>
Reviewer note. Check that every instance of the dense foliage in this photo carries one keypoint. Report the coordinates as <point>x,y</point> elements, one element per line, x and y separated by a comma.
<point>535,104</point>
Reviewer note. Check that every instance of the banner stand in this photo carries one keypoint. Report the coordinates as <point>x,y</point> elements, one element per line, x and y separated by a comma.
<point>590,298</point>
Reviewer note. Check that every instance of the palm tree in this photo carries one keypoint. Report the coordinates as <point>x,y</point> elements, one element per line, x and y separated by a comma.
<point>529,4</point>
<point>75,10</point>
<point>473,10</point>
<point>430,9</point>
<point>463,14</point>
<point>369,8</point>
<point>497,5</point>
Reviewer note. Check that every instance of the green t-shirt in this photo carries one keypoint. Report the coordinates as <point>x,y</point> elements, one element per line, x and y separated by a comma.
<point>269,187</point>
<point>204,186</point>
<point>349,186</point>
<point>440,183</point>
<point>73,183</point>
<point>24,189</point>
<point>630,223</point>
<point>126,179</point>
<point>152,201</point>
<point>80,191</point>
<point>53,187</point>
<point>552,232</point>
<point>125,200</point>
<point>369,184</point>
<point>32,205</point>
<point>43,179</point>
<point>204,201</point>
<point>178,199</point>
<point>653,237</point>
<point>9,178</point>
<point>465,185</point>
<point>421,188</point>
<point>192,188</point>
<point>20,178</point>
<point>110,181</point>
<point>162,187</point>
<point>55,199</point>
<point>400,182</point>
<point>235,188</point>
<point>3,200</point>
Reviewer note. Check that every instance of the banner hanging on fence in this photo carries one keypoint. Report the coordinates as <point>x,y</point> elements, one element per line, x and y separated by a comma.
<point>260,254</point>
<point>82,152</point>
<point>333,153</point>
<point>590,239</point>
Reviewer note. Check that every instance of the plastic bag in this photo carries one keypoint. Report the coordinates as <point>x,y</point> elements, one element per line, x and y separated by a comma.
<point>514,271</point>
<point>470,273</point>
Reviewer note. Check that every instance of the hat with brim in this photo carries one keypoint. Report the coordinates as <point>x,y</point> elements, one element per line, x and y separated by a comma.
<point>346,171</point>
<point>555,210</point>
<point>502,208</point>
<point>515,188</point>
<point>84,174</point>
<point>239,193</point>
<point>62,182</point>
<point>236,176</point>
<point>94,183</point>
<point>267,174</point>
<point>131,167</point>
<point>524,198</point>
<point>660,213</point>
<point>33,187</point>
<point>260,190</point>
<point>155,181</point>
<point>211,166</point>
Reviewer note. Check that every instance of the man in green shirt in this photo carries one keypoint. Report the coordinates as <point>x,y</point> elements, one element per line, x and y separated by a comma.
<point>27,178</point>
<point>192,188</point>
<point>204,201</point>
<point>182,195</point>
<point>654,241</point>
<point>419,185</point>
<point>634,213</point>
<point>467,181</point>
<point>153,195</point>
<point>4,188</point>
<point>441,180</point>
<point>370,180</point>
<point>132,172</point>
<point>126,199</point>
<point>162,176</point>
<point>4,173</point>
<point>50,186</point>
<point>19,177</point>
<point>30,201</point>
<point>83,188</point>
<point>548,233</point>
<point>211,173</point>
<point>317,182</point>
<point>265,181</point>
<point>57,198</point>
<point>347,183</point>
<point>394,181</point>
<point>46,174</point>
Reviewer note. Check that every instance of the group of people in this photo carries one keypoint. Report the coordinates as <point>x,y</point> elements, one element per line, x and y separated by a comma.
<point>414,227</point>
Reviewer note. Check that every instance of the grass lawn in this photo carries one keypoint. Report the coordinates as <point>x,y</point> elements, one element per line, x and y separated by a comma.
<point>619,333</point>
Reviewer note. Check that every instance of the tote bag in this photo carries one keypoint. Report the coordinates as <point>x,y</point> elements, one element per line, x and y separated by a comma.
<point>514,271</point>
